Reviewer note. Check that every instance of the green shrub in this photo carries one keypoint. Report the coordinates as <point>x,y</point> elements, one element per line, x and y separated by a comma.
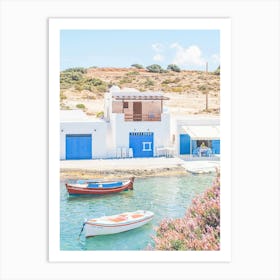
<point>94,82</point>
<point>80,106</point>
<point>177,89</point>
<point>138,66</point>
<point>94,85</point>
<point>149,82</point>
<point>155,68</point>
<point>76,69</point>
<point>68,79</point>
<point>62,96</point>
<point>132,73</point>
<point>173,67</point>
<point>217,71</point>
<point>79,87</point>
<point>100,114</point>
<point>101,88</point>
<point>169,81</point>
<point>125,80</point>
<point>202,88</point>
<point>74,77</point>
<point>166,82</point>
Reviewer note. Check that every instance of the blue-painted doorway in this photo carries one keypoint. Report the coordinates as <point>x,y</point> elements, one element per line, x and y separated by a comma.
<point>78,146</point>
<point>185,144</point>
<point>142,144</point>
<point>216,146</point>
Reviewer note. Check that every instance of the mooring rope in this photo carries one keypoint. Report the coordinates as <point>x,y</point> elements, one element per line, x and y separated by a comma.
<point>84,223</point>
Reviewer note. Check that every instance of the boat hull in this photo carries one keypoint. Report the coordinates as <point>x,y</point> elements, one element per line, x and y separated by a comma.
<point>99,228</point>
<point>84,189</point>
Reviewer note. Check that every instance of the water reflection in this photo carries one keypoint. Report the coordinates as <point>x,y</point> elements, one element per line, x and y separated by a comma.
<point>167,197</point>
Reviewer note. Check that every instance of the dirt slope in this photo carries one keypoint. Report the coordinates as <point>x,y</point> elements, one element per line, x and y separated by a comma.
<point>186,89</point>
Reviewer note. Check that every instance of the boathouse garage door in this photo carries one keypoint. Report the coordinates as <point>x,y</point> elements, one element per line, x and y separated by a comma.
<point>78,146</point>
<point>142,144</point>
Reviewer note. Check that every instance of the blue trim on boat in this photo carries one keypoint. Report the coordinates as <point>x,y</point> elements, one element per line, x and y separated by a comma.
<point>105,185</point>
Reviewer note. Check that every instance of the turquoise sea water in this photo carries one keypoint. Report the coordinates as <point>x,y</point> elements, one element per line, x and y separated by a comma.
<point>167,197</point>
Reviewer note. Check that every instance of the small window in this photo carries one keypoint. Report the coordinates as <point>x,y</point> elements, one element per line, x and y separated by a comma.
<point>125,105</point>
<point>147,146</point>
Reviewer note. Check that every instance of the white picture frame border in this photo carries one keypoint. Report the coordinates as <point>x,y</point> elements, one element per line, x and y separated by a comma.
<point>224,27</point>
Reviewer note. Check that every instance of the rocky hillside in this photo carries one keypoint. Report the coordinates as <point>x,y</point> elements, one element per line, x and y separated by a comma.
<point>85,88</point>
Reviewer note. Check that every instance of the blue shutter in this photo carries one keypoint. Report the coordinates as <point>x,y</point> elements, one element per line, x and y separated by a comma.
<point>194,144</point>
<point>185,143</point>
<point>78,146</point>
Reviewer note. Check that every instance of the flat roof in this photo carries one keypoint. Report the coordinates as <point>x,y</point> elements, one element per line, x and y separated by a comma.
<point>140,97</point>
<point>77,116</point>
<point>134,94</point>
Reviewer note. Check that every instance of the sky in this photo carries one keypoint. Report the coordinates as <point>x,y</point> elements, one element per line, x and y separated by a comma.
<point>189,49</point>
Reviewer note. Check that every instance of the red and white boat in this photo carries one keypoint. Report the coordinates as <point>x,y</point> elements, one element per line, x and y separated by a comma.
<point>117,223</point>
<point>99,187</point>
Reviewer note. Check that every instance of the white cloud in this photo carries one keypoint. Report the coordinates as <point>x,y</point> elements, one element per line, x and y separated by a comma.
<point>175,45</point>
<point>158,47</point>
<point>158,57</point>
<point>191,56</point>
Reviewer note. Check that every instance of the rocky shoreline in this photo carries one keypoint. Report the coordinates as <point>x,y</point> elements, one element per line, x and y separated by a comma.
<point>74,173</point>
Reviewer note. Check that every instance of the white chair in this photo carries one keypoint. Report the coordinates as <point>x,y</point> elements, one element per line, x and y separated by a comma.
<point>160,151</point>
<point>130,153</point>
<point>124,152</point>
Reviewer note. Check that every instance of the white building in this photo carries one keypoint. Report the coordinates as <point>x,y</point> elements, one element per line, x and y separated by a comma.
<point>135,125</point>
<point>81,136</point>
<point>190,132</point>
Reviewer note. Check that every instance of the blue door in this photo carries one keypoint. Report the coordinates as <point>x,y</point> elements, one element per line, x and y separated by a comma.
<point>216,146</point>
<point>78,146</point>
<point>142,144</point>
<point>185,144</point>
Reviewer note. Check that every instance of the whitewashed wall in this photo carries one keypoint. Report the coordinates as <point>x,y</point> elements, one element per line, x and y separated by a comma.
<point>178,123</point>
<point>98,130</point>
<point>121,129</point>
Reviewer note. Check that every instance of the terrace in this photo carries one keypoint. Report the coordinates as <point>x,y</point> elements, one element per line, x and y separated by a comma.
<point>138,106</point>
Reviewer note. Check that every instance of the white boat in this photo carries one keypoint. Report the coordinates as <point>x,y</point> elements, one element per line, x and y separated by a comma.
<point>117,223</point>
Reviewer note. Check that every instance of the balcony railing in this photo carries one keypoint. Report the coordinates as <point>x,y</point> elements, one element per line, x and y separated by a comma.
<point>142,117</point>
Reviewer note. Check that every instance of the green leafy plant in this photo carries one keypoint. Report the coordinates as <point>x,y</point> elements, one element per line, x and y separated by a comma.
<point>80,106</point>
<point>100,114</point>
<point>76,69</point>
<point>217,71</point>
<point>138,66</point>
<point>173,67</point>
<point>155,68</point>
